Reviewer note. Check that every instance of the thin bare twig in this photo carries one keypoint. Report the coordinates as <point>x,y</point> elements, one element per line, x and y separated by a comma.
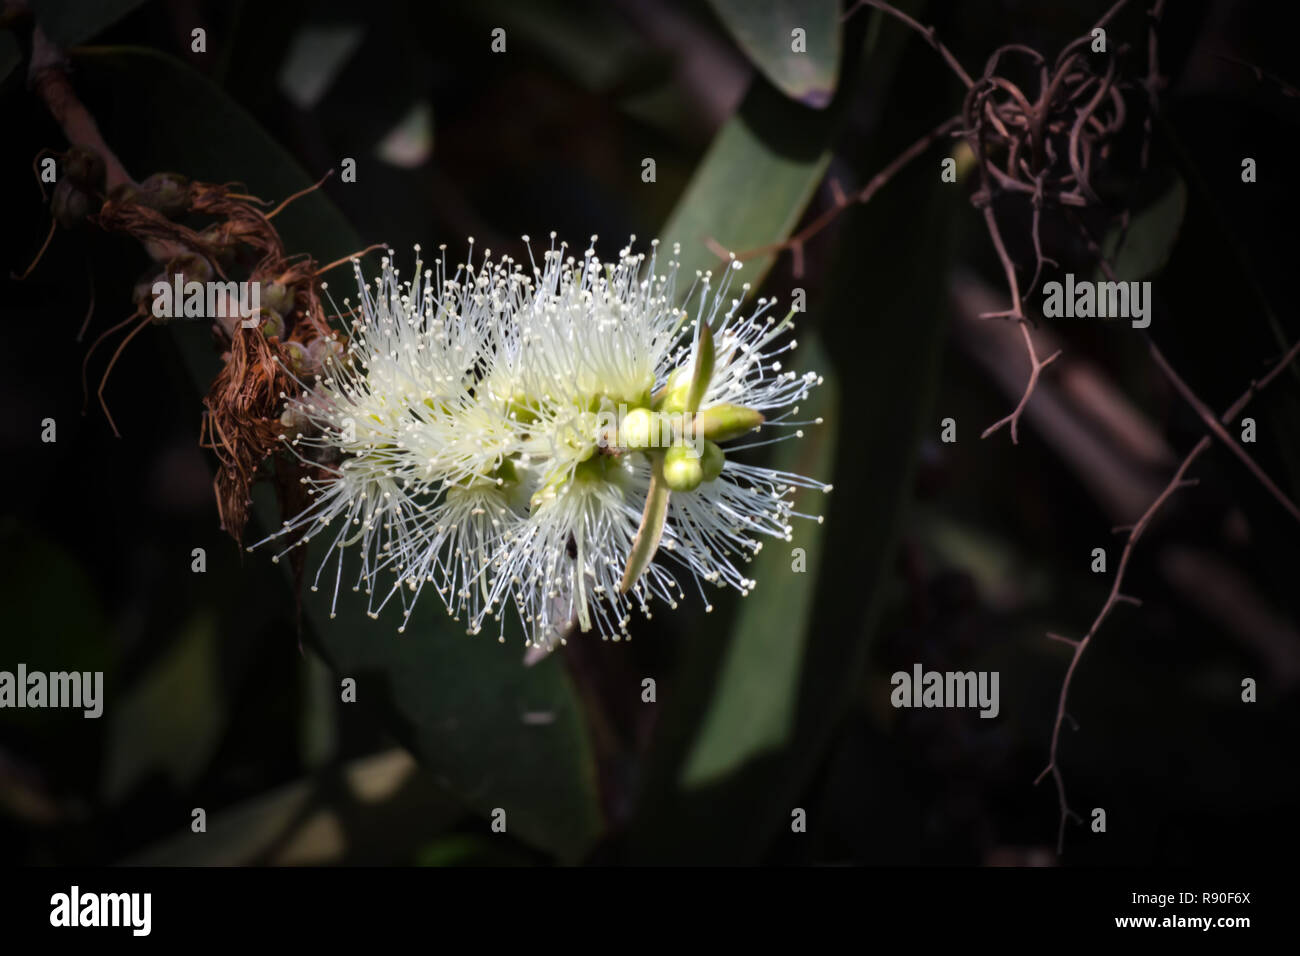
<point>44,245</point>
<point>841,201</point>
<point>1035,371</point>
<point>108,371</point>
<point>85,361</point>
<point>90,307</point>
<point>348,258</point>
<point>1216,428</point>
<point>926,32</point>
<point>48,75</point>
<point>298,195</point>
<point>1261,75</point>
<point>1178,481</point>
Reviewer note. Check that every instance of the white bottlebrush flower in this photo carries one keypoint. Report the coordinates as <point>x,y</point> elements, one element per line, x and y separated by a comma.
<point>544,443</point>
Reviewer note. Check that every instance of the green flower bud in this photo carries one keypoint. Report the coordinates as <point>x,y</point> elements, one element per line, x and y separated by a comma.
<point>672,397</point>
<point>685,387</point>
<point>711,460</point>
<point>683,470</point>
<point>639,429</point>
<point>725,422</point>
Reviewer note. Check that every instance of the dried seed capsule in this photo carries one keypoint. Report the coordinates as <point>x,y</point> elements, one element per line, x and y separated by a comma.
<point>168,193</point>
<point>71,204</point>
<point>190,266</point>
<point>296,356</point>
<point>278,296</point>
<point>269,322</point>
<point>84,168</point>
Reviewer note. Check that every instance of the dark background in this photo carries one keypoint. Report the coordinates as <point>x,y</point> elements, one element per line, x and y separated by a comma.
<point>960,556</point>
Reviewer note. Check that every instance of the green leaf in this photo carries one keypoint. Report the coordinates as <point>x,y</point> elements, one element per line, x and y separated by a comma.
<point>69,22</point>
<point>368,812</point>
<point>752,711</point>
<point>586,40</point>
<point>759,709</point>
<point>1151,236</point>
<point>497,734</point>
<point>771,149</point>
<point>54,621</point>
<point>802,66</point>
<point>171,720</point>
<point>761,170</point>
<point>315,58</point>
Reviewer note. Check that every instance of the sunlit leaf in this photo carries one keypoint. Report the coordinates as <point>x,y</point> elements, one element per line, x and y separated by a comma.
<point>314,59</point>
<point>771,149</point>
<point>796,43</point>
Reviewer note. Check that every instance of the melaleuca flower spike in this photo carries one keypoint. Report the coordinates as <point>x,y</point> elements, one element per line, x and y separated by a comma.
<point>531,441</point>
